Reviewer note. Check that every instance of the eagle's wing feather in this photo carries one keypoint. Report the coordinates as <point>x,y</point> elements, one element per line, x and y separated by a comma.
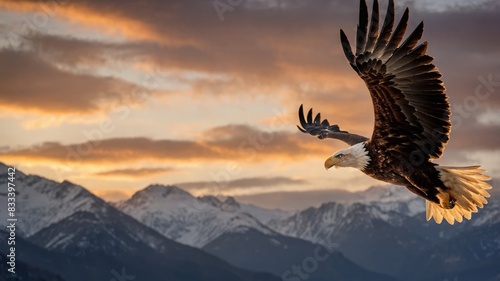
<point>407,93</point>
<point>323,129</point>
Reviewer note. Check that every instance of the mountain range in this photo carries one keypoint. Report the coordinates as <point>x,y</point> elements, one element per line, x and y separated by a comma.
<point>233,232</point>
<point>387,232</point>
<point>190,220</point>
<point>165,233</point>
<point>64,229</point>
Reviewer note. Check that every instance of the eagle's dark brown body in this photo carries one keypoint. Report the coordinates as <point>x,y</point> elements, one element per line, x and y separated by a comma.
<point>390,164</point>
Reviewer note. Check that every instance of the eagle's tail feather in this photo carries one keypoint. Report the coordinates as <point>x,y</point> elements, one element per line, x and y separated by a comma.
<point>467,185</point>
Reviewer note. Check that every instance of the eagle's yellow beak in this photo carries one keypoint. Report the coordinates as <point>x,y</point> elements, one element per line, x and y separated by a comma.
<point>331,161</point>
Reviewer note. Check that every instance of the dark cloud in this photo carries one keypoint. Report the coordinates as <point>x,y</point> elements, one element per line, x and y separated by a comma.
<point>292,43</point>
<point>260,37</point>
<point>32,84</point>
<point>257,42</point>
<point>464,29</point>
<point>280,43</point>
<point>475,137</point>
<point>72,51</point>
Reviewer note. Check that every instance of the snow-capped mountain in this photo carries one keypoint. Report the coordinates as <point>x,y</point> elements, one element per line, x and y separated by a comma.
<point>385,230</point>
<point>322,225</point>
<point>390,204</point>
<point>230,230</point>
<point>41,202</point>
<point>261,214</point>
<point>391,198</point>
<point>264,215</point>
<point>93,238</point>
<point>393,205</point>
<point>190,220</point>
<point>115,240</point>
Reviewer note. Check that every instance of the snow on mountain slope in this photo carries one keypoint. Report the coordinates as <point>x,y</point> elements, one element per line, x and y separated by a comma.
<point>324,225</point>
<point>186,219</point>
<point>390,204</point>
<point>261,214</point>
<point>41,202</point>
<point>390,194</point>
<point>394,206</point>
<point>264,215</point>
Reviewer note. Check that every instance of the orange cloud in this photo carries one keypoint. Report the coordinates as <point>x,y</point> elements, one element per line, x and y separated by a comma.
<point>227,142</point>
<point>339,87</point>
<point>108,22</point>
<point>135,173</point>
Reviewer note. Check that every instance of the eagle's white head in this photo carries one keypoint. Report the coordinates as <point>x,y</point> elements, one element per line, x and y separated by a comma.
<point>355,156</point>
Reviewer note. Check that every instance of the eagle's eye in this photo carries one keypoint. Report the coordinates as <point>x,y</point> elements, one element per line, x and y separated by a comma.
<point>340,156</point>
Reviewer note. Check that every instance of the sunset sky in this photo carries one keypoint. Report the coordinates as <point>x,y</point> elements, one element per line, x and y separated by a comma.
<point>116,95</point>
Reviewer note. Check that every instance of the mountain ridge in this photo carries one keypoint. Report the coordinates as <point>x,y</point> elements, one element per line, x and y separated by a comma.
<point>190,220</point>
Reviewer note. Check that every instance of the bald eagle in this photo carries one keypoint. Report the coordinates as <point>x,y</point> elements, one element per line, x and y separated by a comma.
<point>412,120</point>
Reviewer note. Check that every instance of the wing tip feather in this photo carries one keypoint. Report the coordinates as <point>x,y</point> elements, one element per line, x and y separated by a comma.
<point>346,46</point>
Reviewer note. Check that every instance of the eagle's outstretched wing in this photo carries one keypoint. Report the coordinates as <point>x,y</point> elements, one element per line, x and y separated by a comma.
<point>323,129</point>
<point>411,108</point>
